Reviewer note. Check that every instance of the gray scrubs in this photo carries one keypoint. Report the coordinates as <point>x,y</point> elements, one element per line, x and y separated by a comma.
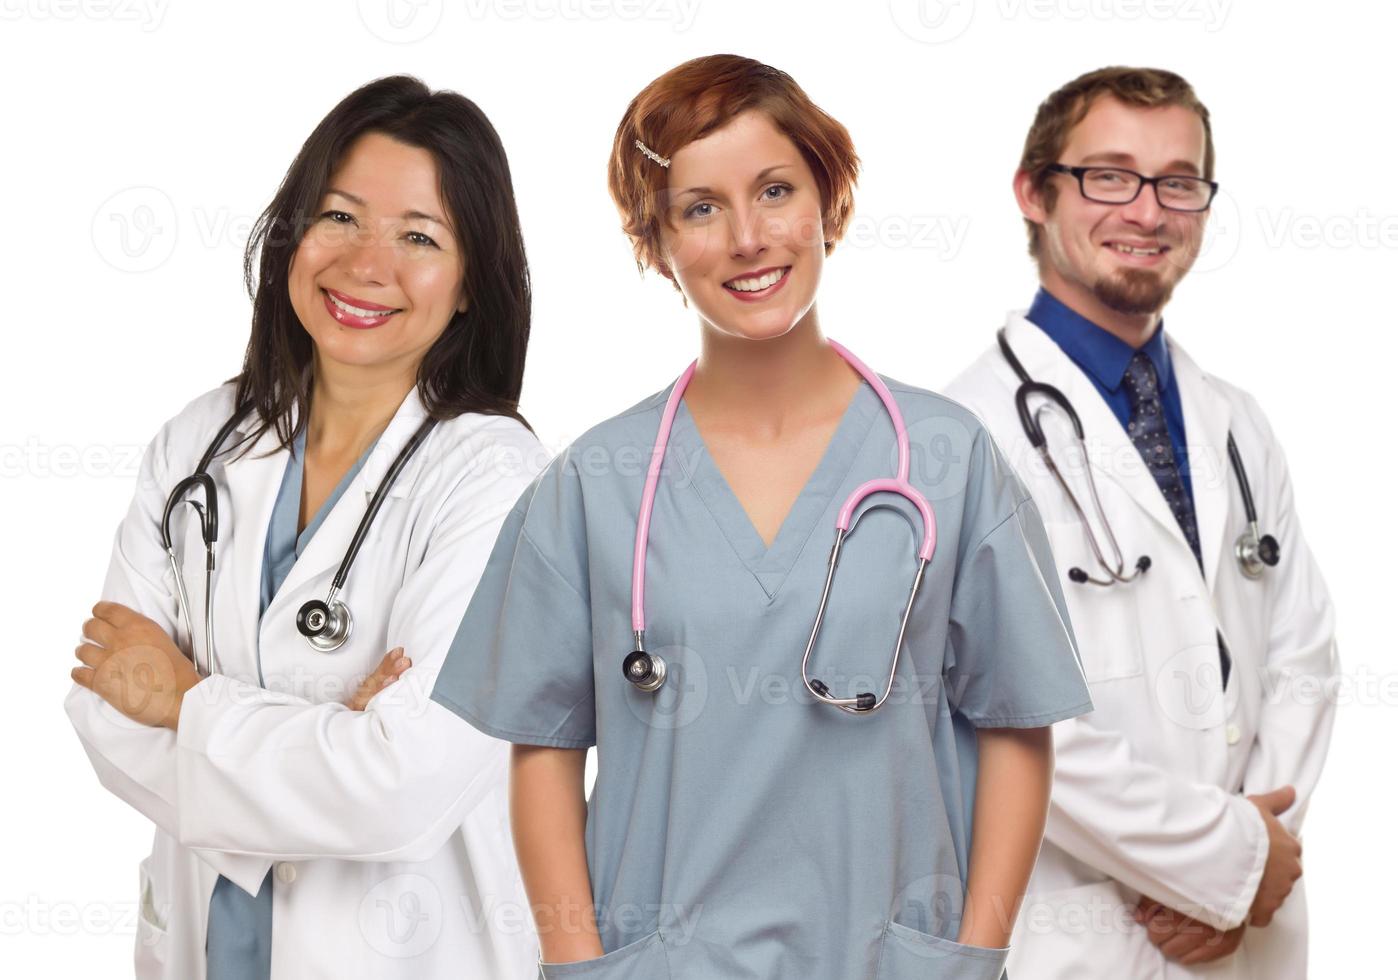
<point>738,828</point>
<point>238,944</point>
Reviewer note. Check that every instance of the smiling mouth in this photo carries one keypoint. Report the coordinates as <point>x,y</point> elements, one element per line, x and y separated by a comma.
<point>1137,251</point>
<point>360,312</point>
<point>757,283</point>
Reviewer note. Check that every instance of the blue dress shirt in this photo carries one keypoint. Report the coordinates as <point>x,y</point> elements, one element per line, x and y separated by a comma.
<point>1103,358</point>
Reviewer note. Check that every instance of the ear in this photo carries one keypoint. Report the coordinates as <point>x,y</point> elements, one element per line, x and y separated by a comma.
<point>1029,198</point>
<point>464,305</point>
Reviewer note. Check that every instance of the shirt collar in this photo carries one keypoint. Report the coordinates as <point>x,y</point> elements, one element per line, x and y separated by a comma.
<point>1101,354</point>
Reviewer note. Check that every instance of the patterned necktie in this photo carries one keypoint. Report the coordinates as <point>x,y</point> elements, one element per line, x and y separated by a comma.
<point>1146,427</point>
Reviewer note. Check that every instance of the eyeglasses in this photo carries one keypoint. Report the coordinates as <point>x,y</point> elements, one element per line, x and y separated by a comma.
<point>1116,185</point>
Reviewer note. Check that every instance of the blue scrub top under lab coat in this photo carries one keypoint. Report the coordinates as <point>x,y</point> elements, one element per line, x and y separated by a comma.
<point>737,827</point>
<point>238,944</point>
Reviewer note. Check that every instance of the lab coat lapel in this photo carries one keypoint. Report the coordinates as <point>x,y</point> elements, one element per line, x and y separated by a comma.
<point>1206,422</point>
<point>328,545</point>
<point>252,480</point>
<point>1112,453</point>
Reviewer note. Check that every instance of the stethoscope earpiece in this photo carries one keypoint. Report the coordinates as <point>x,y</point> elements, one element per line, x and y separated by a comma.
<point>325,625</point>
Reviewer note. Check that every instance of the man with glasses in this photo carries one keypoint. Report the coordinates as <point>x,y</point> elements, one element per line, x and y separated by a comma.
<point>1205,631</point>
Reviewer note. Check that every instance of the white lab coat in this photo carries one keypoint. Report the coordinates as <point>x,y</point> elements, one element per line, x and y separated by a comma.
<point>1146,796</point>
<point>388,828</point>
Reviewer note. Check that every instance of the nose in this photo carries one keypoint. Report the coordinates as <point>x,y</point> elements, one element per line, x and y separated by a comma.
<point>367,259</point>
<point>1145,212</point>
<point>748,237</point>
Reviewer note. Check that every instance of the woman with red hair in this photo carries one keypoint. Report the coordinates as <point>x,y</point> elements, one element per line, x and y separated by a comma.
<point>757,812</point>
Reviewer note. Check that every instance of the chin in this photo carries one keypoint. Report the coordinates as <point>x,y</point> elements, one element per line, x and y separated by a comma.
<point>1134,292</point>
<point>765,327</point>
<point>352,351</point>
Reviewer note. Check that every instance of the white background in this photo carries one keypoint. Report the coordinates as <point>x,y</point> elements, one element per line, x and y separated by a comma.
<point>174,122</point>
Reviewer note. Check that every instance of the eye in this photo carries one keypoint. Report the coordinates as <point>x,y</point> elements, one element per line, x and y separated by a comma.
<point>418,238</point>
<point>703,209</point>
<point>332,216</point>
<point>783,190</point>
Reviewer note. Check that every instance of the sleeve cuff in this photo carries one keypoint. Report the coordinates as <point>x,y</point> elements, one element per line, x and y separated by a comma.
<point>1238,912</point>
<point>523,738</point>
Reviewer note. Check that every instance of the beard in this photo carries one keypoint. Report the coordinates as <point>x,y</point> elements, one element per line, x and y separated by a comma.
<point>1134,291</point>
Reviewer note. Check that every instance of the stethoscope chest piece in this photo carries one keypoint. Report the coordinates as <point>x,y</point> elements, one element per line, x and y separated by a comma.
<point>1256,554</point>
<point>326,624</point>
<point>645,670</point>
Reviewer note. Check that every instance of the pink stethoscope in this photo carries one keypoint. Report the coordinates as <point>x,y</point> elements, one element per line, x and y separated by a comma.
<point>647,670</point>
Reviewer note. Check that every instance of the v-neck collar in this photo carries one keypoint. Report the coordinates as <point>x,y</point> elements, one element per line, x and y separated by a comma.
<point>296,474</point>
<point>770,566</point>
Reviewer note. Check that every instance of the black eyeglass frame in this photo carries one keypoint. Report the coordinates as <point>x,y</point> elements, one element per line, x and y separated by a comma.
<point>1079,172</point>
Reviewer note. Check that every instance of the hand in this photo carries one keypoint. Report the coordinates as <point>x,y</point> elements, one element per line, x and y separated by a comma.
<point>390,668</point>
<point>134,665</point>
<point>1283,856</point>
<point>1185,940</point>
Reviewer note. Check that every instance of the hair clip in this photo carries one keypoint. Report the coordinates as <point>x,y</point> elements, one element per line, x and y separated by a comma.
<point>663,161</point>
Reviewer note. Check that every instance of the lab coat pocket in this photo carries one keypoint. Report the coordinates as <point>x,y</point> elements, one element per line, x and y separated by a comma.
<point>643,959</point>
<point>1106,619</point>
<point>907,954</point>
<point>152,940</point>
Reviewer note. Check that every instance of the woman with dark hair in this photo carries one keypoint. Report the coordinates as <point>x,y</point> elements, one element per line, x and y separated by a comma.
<point>800,774</point>
<point>347,486</point>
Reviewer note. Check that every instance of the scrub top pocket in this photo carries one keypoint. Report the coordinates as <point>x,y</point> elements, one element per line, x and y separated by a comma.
<point>643,959</point>
<point>911,955</point>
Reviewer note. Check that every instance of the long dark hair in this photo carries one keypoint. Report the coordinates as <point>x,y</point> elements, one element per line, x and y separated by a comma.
<point>477,364</point>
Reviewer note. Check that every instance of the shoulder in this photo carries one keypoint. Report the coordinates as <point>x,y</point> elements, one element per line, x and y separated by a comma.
<point>182,439</point>
<point>499,438</point>
<point>955,457</point>
<point>1247,420</point>
<point>474,464</point>
<point>618,445</point>
<point>987,387</point>
<point>918,404</point>
<point>942,423</point>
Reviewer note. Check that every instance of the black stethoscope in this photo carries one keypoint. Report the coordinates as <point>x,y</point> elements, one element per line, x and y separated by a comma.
<point>325,623</point>
<point>1253,551</point>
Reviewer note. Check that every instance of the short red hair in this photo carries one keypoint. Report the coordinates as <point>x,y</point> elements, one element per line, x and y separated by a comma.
<point>692,100</point>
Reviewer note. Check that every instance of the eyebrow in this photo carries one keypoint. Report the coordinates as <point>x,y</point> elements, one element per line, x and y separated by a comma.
<point>406,214</point>
<point>762,175</point>
<point>1175,167</point>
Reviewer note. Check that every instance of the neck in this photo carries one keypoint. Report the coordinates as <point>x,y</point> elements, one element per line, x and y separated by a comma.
<point>1132,328</point>
<point>351,408</point>
<point>763,386</point>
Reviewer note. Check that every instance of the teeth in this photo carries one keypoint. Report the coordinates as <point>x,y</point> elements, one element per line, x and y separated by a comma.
<point>356,311</point>
<point>1136,251</point>
<point>755,284</point>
